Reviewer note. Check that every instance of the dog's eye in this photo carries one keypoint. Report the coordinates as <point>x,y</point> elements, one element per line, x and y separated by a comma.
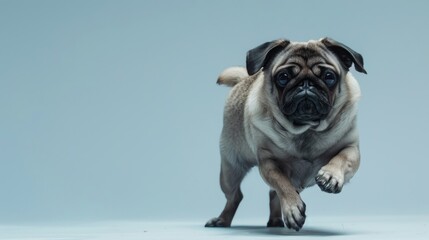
<point>282,78</point>
<point>330,78</point>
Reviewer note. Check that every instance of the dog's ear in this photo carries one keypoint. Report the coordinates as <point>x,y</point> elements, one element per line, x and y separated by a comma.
<point>346,55</point>
<point>259,56</point>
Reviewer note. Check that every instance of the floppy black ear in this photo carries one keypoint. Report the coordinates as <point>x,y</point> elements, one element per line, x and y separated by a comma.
<point>346,55</point>
<point>259,56</point>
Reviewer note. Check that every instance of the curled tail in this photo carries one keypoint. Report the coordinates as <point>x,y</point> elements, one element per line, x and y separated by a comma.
<point>232,76</point>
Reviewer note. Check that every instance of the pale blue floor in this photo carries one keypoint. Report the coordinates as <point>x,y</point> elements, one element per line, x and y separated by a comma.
<point>371,227</point>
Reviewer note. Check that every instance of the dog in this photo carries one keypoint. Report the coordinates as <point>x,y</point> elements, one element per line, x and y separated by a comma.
<point>291,112</point>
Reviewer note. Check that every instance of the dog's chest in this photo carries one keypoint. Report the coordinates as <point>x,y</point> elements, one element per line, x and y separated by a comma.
<point>308,146</point>
<point>302,156</point>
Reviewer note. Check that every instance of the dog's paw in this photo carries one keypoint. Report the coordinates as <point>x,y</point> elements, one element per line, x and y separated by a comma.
<point>329,181</point>
<point>276,222</point>
<point>217,222</point>
<point>294,214</point>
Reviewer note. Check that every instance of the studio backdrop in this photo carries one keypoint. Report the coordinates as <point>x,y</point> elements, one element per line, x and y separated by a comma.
<point>110,109</point>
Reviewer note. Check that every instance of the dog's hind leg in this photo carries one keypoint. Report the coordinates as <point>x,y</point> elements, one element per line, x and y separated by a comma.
<point>231,176</point>
<point>276,219</point>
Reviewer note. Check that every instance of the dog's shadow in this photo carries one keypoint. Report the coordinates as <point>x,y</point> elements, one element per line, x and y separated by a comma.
<point>306,231</point>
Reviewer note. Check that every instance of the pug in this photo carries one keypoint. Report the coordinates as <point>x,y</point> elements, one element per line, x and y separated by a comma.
<point>292,113</point>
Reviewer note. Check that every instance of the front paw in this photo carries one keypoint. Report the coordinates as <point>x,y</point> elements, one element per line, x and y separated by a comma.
<point>294,213</point>
<point>329,181</point>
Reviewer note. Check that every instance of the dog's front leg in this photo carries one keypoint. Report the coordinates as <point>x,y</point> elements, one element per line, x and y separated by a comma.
<point>339,170</point>
<point>293,208</point>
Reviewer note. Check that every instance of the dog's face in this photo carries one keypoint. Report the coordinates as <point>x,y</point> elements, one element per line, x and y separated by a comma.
<point>305,78</point>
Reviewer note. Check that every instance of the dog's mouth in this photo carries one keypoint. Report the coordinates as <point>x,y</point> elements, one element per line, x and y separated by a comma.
<point>306,107</point>
<point>306,112</point>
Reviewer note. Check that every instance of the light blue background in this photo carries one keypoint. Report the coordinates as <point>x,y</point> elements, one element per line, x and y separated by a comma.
<point>109,109</point>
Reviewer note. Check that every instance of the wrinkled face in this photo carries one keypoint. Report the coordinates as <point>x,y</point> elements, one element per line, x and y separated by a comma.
<point>304,75</point>
<point>306,78</point>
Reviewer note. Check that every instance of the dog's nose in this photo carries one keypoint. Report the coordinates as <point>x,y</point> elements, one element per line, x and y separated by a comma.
<point>306,84</point>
